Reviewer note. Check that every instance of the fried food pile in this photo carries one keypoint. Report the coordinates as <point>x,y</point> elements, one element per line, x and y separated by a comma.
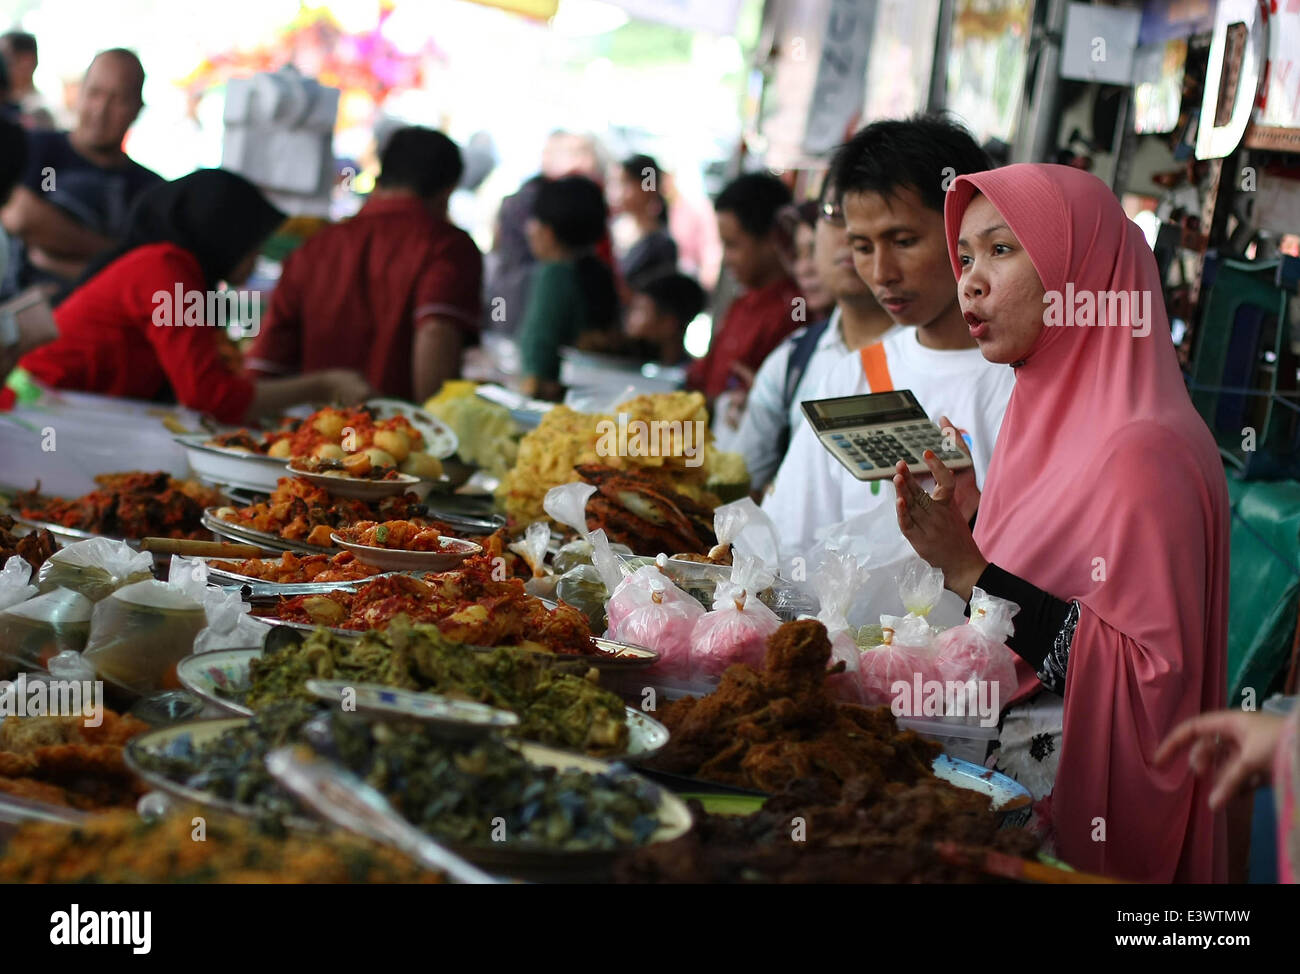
<point>129,505</point>
<point>292,568</point>
<point>558,700</point>
<point>469,605</point>
<point>298,510</point>
<point>61,761</point>
<point>764,729</point>
<point>35,546</point>
<point>871,831</point>
<point>566,439</point>
<point>119,847</point>
<point>395,535</point>
<point>642,510</point>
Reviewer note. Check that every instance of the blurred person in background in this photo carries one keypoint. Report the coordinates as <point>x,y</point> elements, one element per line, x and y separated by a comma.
<point>510,263</point>
<point>19,51</point>
<point>846,317</point>
<point>756,251</point>
<point>123,332</point>
<point>813,287</point>
<point>394,291</point>
<point>654,328</point>
<point>78,187</point>
<point>573,290</point>
<point>634,193</point>
<point>13,159</point>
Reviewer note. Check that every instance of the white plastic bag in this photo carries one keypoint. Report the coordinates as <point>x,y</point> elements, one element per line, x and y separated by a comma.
<point>229,622</point>
<point>835,579</point>
<point>738,627</point>
<point>15,581</point>
<point>532,547</point>
<point>95,567</point>
<point>140,632</point>
<point>567,504</point>
<point>920,587</point>
<point>33,632</point>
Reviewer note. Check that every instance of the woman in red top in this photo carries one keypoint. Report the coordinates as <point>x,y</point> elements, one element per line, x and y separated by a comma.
<point>137,323</point>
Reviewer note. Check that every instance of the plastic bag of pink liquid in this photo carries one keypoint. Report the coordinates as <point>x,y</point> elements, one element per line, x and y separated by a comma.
<point>655,613</point>
<point>908,652</point>
<point>977,651</point>
<point>737,629</point>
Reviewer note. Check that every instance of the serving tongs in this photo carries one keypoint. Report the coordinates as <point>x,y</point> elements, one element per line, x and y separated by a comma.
<point>340,797</point>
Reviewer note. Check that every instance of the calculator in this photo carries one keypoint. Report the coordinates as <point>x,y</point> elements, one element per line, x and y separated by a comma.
<point>869,434</point>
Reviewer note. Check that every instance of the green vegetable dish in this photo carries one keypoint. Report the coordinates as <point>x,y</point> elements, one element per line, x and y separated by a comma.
<point>477,792</point>
<point>559,702</point>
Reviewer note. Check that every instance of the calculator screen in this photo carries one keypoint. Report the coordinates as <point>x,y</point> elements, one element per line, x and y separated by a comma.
<point>881,407</point>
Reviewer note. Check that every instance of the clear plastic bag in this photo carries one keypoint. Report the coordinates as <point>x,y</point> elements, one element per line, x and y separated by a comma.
<point>835,579</point>
<point>581,587</point>
<point>977,652</point>
<point>15,582</point>
<point>738,627</point>
<point>230,624</point>
<point>920,587</point>
<point>140,632</point>
<point>906,654</point>
<point>567,505</point>
<point>532,547</point>
<point>34,632</point>
<point>748,529</point>
<point>96,568</point>
<point>651,611</point>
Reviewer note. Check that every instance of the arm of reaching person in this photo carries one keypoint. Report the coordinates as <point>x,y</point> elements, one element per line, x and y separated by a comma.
<point>46,227</point>
<point>447,309</point>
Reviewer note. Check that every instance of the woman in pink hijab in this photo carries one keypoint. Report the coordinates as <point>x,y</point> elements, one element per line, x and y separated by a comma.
<point>1104,514</point>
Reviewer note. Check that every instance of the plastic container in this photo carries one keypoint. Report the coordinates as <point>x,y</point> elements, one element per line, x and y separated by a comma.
<point>960,737</point>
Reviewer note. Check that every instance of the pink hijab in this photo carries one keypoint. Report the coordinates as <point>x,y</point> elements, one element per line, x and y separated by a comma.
<point>1105,486</point>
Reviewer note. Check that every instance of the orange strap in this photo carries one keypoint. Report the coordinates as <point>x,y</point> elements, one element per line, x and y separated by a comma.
<point>876,368</point>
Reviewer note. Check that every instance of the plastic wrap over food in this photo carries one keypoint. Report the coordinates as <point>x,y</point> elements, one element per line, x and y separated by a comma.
<point>15,582</point>
<point>655,613</point>
<point>567,504</point>
<point>96,568</point>
<point>737,629</point>
<point>907,653</point>
<point>532,547</point>
<point>33,632</point>
<point>977,651</point>
<point>749,529</point>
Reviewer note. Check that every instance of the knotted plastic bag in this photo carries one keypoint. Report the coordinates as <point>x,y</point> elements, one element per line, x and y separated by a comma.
<point>567,505</point>
<point>906,654</point>
<point>977,652</point>
<point>738,627</point>
<point>920,588</point>
<point>835,578</point>
<point>96,568</point>
<point>15,582</point>
<point>653,612</point>
<point>587,587</point>
<point>140,632</point>
<point>230,624</point>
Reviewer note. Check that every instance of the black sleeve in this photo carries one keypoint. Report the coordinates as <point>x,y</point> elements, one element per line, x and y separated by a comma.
<point>1042,617</point>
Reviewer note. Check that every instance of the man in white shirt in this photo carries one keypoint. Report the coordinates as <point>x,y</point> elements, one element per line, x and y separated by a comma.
<point>892,177</point>
<point>796,368</point>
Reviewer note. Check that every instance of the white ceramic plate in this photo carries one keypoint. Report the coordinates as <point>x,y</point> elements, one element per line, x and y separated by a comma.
<point>233,468</point>
<point>358,488</point>
<point>453,552</point>
<point>439,438</point>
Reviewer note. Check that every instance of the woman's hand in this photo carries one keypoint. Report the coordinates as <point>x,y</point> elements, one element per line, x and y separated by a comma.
<point>936,528</point>
<point>1237,745</point>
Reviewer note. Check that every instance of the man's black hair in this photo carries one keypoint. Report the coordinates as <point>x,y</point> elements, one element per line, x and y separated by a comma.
<point>18,42</point>
<point>133,60</point>
<point>421,160</point>
<point>13,156</point>
<point>635,167</point>
<point>924,152</point>
<point>754,199</point>
<point>676,295</point>
<point>574,208</point>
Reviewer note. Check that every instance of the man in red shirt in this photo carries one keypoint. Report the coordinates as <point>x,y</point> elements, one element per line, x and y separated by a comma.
<point>753,250</point>
<point>393,292</point>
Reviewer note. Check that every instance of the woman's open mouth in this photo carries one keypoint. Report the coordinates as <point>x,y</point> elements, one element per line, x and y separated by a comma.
<point>978,326</point>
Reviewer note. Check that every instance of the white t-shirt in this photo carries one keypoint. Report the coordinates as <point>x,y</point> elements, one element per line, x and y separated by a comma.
<point>813,493</point>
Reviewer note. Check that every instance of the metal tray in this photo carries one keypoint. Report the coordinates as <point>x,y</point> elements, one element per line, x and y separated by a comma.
<point>263,539</point>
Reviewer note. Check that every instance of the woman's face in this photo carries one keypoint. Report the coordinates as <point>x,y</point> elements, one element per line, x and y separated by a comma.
<point>806,273</point>
<point>999,289</point>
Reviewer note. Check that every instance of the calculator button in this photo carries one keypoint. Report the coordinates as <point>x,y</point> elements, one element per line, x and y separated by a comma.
<point>864,466</point>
